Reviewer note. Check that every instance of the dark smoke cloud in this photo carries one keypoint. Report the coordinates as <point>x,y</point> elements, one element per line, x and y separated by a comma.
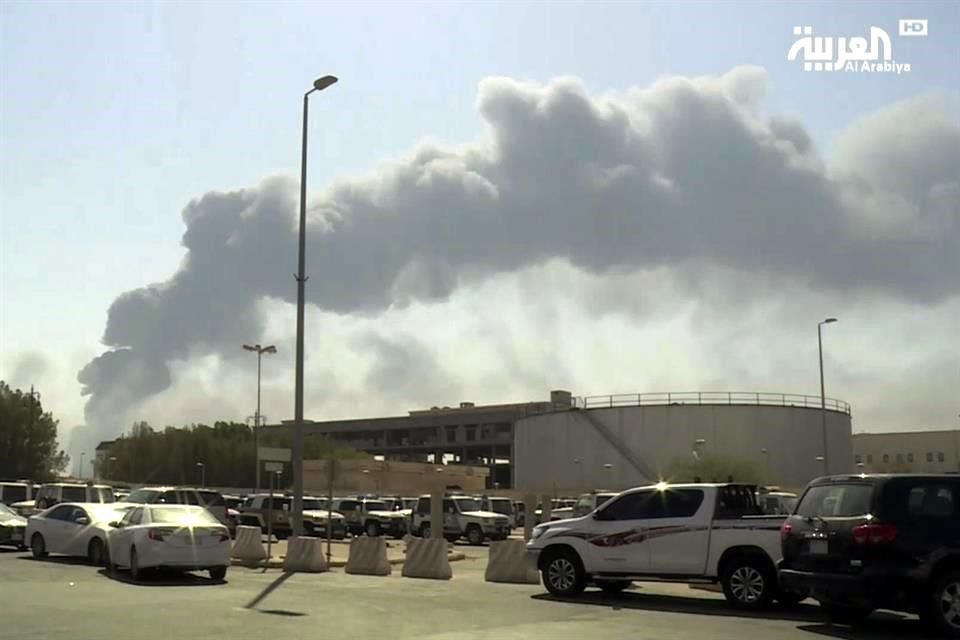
<point>684,173</point>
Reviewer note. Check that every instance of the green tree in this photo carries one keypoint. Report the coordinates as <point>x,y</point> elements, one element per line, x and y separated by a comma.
<point>226,450</point>
<point>714,468</point>
<point>28,437</point>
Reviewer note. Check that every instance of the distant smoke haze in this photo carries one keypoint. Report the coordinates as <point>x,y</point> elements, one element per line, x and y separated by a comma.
<point>684,175</point>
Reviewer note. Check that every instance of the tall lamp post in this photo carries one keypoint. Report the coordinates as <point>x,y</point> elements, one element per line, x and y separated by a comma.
<point>318,85</point>
<point>259,350</point>
<point>203,474</point>
<point>823,397</point>
<point>80,470</point>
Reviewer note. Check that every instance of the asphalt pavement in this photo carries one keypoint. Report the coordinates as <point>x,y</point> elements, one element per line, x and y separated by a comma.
<point>65,598</point>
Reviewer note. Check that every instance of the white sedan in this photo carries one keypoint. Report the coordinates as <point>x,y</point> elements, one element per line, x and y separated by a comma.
<point>73,529</point>
<point>177,536</point>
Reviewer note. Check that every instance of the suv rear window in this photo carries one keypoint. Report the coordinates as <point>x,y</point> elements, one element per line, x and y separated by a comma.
<point>836,500</point>
<point>74,494</point>
<point>14,493</point>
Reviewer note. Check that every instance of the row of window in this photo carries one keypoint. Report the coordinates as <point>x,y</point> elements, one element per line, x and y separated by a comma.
<point>899,457</point>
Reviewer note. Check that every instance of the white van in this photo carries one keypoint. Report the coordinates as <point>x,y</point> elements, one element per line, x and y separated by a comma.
<point>11,492</point>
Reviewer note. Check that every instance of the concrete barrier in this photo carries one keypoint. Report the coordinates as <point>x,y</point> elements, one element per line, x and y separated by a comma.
<point>247,545</point>
<point>305,555</point>
<point>368,556</point>
<point>427,558</point>
<point>508,563</point>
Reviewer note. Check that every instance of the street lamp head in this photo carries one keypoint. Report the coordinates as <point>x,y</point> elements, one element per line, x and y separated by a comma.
<point>270,349</point>
<point>322,83</point>
<point>199,464</point>
<point>699,441</point>
<point>249,347</point>
<point>829,320</point>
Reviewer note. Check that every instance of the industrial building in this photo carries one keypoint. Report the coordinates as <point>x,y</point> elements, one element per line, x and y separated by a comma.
<point>626,440</point>
<point>571,443</point>
<point>908,451</point>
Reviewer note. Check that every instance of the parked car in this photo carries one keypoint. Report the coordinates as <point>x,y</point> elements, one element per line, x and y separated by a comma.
<point>462,518</point>
<point>371,516</point>
<point>11,492</point>
<point>73,529</point>
<point>857,543</point>
<point>774,502</point>
<point>232,505</point>
<point>586,503</point>
<point>259,511</point>
<point>695,533</point>
<point>315,518</point>
<point>176,536</point>
<point>503,506</point>
<point>520,509</point>
<point>57,492</point>
<point>12,528</point>
<point>211,500</point>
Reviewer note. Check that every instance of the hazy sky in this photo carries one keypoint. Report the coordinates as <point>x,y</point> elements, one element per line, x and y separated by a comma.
<point>507,198</point>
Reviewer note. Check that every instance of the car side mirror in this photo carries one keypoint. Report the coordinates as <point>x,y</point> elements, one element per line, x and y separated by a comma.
<point>116,524</point>
<point>83,520</point>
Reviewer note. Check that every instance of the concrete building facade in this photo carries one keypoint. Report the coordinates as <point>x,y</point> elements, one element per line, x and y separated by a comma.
<point>638,439</point>
<point>468,434</point>
<point>565,442</point>
<point>908,451</point>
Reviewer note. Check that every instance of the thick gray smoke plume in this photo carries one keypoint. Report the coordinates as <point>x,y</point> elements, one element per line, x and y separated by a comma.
<point>686,172</point>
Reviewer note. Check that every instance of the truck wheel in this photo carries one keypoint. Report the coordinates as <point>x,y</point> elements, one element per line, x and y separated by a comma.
<point>372,528</point>
<point>748,582</point>
<point>563,574</point>
<point>942,612</point>
<point>474,535</point>
<point>844,614</point>
<point>613,587</point>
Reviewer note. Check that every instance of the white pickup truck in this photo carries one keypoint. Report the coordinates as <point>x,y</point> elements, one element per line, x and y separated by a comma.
<point>694,533</point>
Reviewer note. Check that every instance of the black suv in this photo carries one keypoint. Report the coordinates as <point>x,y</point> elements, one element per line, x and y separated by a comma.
<point>862,542</point>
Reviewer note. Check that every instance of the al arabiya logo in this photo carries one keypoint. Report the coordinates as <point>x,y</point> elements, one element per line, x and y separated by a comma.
<point>850,55</point>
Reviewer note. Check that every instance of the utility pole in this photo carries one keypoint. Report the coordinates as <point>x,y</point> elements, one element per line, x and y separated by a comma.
<point>259,350</point>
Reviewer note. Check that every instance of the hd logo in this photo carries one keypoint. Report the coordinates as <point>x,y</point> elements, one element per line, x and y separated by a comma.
<point>913,27</point>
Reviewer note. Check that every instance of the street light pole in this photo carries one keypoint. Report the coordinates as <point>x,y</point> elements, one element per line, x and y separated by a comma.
<point>318,85</point>
<point>203,474</point>
<point>80,470</point>
<point>259,350</point>
<point>823,397</point>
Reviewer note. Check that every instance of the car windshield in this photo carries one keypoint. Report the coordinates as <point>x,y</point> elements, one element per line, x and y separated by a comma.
<point>467,504</point>
<point>376,505</point>
<point>74,494</point>
<point>836,500</point>
<point>182,516</point>
<point>314,504</point>
<point>501,506</point>
<point>143,496</point>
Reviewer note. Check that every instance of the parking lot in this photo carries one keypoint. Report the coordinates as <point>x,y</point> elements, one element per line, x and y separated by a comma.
<point>65,598</point>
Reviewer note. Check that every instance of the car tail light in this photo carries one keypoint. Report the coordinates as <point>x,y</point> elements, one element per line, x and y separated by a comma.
<point>786,531</point>
<point>159,534</point>
<point>874,534</point>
